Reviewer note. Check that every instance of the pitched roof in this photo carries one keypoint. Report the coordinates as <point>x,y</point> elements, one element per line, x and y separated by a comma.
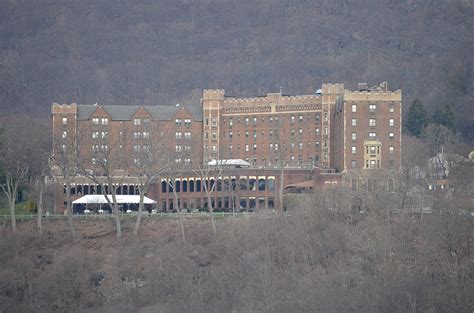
<point>125,112</point>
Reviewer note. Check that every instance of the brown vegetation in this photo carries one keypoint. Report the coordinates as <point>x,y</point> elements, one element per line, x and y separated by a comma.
<point>321,261</point>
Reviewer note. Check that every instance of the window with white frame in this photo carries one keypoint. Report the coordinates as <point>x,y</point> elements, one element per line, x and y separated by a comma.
<point>391,135</point>
<point>372,135</point>
<point>354,122</point>
<point>95,135</point>
<point>254,147</point>
<point>317,132</point>
<point>372,108</point>
<point>276,147</point>
<point>246,147</point>
<point>146,121</point>
<point>187,122</point>
<point>372,122</point>
<point>146,135</point>
<point>137,121</point>
<point>391,108</point>
<point>105,135</point>
<point>187,135</point>
<point>316,144</point>
<point>354,108</point>
<point>178,122</point>
<point>136,135</point>
<point>136,148</point>
<point>95,120</point>
<point>391,149</point>
<point>178,135</point>
<point>64,134</point>
<point>214,148</point>
<point>391,122</point>
<point>214,121</point>
<point>64,120</point>
<point>354,149</point>
<point>105,121</point>
<point>354,136</point>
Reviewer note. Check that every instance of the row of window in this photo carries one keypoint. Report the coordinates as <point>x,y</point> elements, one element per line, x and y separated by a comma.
<point>373,122</point>
<point>372,108</point>
<point>275,146</point>
<point>372,164</point>
<point>99,121</point>
<point>185,122</point>
<point>252,184</point>
<point>373,149</point>
<point>271,132</point>
<point>179,135</point>
<point>222,203</point>
<point>254,120</point>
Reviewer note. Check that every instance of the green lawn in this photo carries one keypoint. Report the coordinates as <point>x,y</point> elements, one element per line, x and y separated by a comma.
<point>5,210</point>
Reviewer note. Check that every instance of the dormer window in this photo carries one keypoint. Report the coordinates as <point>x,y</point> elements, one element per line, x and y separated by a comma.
<point>95,120</point>
<point>137,121</point>
<point>105,121</point>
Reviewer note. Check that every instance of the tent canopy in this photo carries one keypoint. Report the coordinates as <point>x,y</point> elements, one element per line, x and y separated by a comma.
<point>121,199</point>
<point>229,162</point>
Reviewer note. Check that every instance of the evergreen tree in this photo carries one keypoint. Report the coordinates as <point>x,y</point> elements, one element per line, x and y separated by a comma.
<point>443,117</point>
<point>417,118</point>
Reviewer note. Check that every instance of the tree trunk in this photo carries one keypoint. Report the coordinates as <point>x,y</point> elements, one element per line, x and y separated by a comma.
<point>211,212</point>
<point>12,209</point>
<point>280,192</point>
<point>40,207</point>
<point>139,217</point>
<point>180,217</point>
<point>69,210</point>
<point>116,212</point>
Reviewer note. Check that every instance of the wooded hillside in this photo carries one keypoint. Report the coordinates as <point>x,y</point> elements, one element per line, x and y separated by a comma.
<point>159,52</point>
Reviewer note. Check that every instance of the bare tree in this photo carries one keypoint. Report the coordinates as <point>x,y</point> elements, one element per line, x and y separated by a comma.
<point>64,164</point>
<point>148,165</point>
<point>17,155</point>
<point>107,168</point>
<point>207,171</point>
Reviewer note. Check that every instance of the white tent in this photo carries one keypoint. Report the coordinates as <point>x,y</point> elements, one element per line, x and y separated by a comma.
<point>121,199</point>
<point>228,162</point>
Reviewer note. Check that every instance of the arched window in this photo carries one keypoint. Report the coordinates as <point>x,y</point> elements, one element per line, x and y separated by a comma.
<point>261,184</point>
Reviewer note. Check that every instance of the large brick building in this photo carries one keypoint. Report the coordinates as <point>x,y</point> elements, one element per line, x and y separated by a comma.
<point>318,138</point>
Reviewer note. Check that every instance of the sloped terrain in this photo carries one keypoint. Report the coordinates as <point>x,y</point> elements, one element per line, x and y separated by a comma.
<point>159,52</point>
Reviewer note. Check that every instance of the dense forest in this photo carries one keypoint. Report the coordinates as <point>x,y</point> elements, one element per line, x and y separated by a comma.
<point>161,52</point>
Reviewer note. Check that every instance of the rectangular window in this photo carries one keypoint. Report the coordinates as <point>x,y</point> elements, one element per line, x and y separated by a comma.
<point>136,135</point>
<point>271,146</point>
<point>146,135</point>
<point>105,135</point>
<point>178,122</point>
<point>64,134</point>
<point>136,148</point>
<point>246,120</point>
<point>325,130</point>
<point>254,121</point>
<point>254,147</point>
<point>353,163</point>
<point>230,135</point>
<point>316,144</point>
<point>354,149</point>
<point>187,122</point>
<point>292,119</point>
<point>354,122</point>
<point>95,120</point>
<point>354,136</point>
<point>372,122</point>
<point>146,121</point>
<point>300,118</point>
<point>276,147</point>
<point>137,121</point>
<point>325,116</point>
<point>246,147</point>
<point>391,149</point>
<point>317,117</point>
<point>214,134</point>
<point>214,148</point>
<point>178,135</point>
<point>391,122</point>
<point>179,148</point>
<point>105,121</point>
<point>354,108</point>
<point>317,132</point>
<point>300,146</point>
<point>391,108</point>
<point>246,133</point>
<point>95,135</point>
<point>187,135</point>
<point>372,135</point>
<point>64,120</point>
<point>254,134</point>
<point>372,108</point>
<point>231,122</point>
<point>214,121</point>
<point>391,135</point>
